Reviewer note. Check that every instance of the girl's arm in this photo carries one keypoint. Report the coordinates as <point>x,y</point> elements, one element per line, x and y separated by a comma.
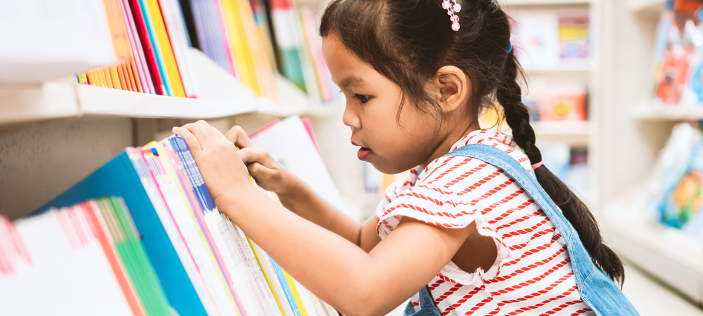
<point>350,279</point>
<point>298,197</point>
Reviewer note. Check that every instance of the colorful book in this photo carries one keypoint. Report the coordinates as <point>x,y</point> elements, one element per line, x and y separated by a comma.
<point>175,25</point>
<point>151,55</point>
<point>161,35</point>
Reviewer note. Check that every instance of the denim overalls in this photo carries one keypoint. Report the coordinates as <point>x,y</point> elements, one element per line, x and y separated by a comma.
<point>597,290</point>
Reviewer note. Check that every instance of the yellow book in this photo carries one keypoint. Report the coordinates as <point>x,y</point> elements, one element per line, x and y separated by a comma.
<point>82,78</point>
<point>262,68</point>
<point>239,44</point>
<point>296,294</point>
<point>174,76</point>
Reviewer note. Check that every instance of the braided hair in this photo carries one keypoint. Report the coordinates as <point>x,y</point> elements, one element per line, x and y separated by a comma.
<point>408,41</point>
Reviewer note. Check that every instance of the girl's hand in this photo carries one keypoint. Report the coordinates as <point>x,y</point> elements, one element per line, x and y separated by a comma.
<point>268,172</point>
<point>216,157</point>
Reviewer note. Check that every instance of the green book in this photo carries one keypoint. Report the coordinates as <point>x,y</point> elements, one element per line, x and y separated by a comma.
<point>134,258</point>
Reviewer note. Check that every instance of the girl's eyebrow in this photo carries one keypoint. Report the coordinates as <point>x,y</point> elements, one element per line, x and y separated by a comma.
<point>351,80</point>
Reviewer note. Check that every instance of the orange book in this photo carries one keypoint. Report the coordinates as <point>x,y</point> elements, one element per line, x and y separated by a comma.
<point>132,66</point>
<point>172,72</point>
<point>91,80</point>
<point>100,230</point>
<point>123,48</point>
<point>115,77</point>
<point>108,77</point>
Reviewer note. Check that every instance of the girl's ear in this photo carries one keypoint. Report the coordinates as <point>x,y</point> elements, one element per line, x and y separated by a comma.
<point>452,88</point>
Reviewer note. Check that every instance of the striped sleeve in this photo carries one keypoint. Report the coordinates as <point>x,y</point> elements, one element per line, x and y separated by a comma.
<point>452,192</point>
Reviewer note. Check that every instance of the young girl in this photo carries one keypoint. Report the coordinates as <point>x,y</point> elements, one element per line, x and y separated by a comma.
<point>469,231</point>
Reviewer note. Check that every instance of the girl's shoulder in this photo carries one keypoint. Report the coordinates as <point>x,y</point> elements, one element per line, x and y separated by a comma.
<point>450,189</point>
<point>449,170</point>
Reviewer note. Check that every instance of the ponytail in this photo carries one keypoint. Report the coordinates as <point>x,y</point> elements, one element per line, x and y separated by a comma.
<point>509,95</point>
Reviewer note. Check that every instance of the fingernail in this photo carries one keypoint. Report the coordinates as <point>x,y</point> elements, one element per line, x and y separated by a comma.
<point>174,129</point>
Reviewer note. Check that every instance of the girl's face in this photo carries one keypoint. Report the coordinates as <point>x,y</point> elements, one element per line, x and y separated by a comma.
<point>392,145</point>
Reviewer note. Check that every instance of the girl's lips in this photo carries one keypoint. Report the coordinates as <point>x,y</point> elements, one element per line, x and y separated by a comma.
<point>363,153</point>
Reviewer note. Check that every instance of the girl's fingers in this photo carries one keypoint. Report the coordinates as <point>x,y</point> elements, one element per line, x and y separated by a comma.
<point>239,137</point>
<point>250,155</point>
<point>190,139</point>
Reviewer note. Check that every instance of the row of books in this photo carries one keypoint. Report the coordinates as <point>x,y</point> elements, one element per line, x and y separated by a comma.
<point>251,42</point>
<point>674,191</point>
<point>678,54</point>
<point>174,250</point>
<point>565,102</point>
<point>552,38</point>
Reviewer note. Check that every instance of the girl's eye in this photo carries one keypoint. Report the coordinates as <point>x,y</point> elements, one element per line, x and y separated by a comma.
<point>362,98</point>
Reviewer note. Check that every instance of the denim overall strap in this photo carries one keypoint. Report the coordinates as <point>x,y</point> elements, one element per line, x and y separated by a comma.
<point>597,290</point>
<point>427,305</point>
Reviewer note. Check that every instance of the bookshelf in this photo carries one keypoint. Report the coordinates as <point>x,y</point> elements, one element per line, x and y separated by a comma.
<point>631,134</point>
<point>36,102</point>
<point>654,111</point>
<point>220,96</point>
<point>646,6</point>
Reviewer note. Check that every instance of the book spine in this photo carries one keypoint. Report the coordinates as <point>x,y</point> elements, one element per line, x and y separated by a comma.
<point>158,54</point>
<point>100,228</point>
<point>150,60</point>
<point>155,292</point>
<point>174,77</point>
<point>199,213</point>
<point>147,176</point>
<point>139,63</point>
<point>286,288</point>
<point>192,232</point>
<point>175,25</point>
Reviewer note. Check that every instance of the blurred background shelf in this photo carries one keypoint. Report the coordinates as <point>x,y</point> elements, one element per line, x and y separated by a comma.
<point>566,128</point>
<point>663,251</point>
<point>654,111</point>
<point>646,6</point>
<point>542,2</point>
<point>559,69</point>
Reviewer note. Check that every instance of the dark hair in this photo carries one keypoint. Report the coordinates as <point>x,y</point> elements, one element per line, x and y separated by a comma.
<point>408,41</point>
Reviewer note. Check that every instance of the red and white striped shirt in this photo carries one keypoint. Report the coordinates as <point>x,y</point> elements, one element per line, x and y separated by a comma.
<point>532,273</point>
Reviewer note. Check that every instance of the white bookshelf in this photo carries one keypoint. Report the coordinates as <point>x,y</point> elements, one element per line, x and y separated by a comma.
<point>631,134</point>
<point>37,102</point>
<point>663,251</point>
<point>576,133</point>
<point>654,111</point>
<point>219,95</point>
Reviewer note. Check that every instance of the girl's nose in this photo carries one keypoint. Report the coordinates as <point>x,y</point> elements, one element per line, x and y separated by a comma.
<point>350,118</point>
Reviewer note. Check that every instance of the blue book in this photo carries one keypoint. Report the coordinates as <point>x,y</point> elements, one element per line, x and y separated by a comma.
<point>286,288</point>
<point>122,176</point>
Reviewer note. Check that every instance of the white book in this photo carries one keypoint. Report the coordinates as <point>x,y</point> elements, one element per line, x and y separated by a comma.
<point>247,294</point>
<point>177,34</point>
<point>255,269</point>
<point>195,240</point>
<point>67,272</point>
<point>174,235</point>
<point>45,39</point>
<point>289,143</point>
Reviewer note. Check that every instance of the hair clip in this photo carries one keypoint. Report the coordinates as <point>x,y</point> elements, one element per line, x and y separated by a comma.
<point>511,48</point>
<point>452,7</point>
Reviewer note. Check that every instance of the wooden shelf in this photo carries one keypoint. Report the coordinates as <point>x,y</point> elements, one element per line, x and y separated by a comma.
<point>647,6</point>
<point>651,110</point>
<point>665,252</point>
<point>542,2</point>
